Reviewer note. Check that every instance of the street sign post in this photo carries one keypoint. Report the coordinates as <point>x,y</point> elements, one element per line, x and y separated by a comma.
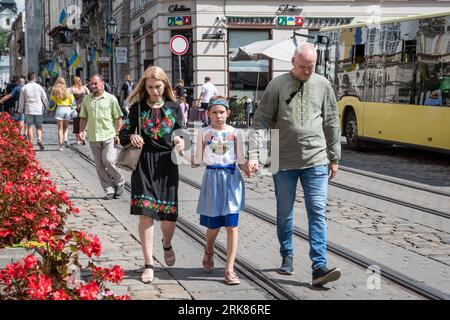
<point>179,45</point>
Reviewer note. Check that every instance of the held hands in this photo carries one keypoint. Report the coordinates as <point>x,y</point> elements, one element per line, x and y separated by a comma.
<point>250,167</point>
<point>179,145</point>
<point>137,141</point>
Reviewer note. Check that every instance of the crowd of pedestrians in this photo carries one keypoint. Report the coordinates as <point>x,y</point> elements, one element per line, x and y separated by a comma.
<point>152,115</point>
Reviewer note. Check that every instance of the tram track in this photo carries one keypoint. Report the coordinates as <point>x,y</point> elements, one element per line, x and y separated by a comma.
<point>394,181</point>
<point>242,265</point>
<point>439,213</point>
<point>270,285</point>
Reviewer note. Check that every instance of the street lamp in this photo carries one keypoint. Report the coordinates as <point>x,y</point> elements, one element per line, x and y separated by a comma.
<point>112,31</point>
<point>112,26</point>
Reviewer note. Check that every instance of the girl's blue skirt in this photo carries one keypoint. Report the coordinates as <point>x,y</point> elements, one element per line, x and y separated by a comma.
<point>222,197</point>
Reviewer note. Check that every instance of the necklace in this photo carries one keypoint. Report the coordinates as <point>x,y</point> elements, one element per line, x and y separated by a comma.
<point>156,104</point>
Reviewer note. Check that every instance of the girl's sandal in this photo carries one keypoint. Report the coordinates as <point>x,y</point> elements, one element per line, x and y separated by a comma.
<point>231,278</point>
<point>169,256</point>
<point>208,261</point>
<point>148,274</point>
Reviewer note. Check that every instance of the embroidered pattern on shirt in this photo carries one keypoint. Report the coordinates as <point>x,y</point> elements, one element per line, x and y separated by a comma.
<point>301,106</point>
<point>220,142</point>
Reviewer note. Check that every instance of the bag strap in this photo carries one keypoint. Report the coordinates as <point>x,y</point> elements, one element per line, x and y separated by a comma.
<point>139,119</point>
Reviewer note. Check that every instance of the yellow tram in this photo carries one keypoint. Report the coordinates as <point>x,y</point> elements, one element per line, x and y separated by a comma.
<point>392,78</point>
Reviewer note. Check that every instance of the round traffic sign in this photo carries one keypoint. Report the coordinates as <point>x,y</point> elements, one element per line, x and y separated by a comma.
<point>179,45</point>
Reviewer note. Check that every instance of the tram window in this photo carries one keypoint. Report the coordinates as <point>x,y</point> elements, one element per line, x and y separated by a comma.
<point>358,53</point>
<point>409,51</point>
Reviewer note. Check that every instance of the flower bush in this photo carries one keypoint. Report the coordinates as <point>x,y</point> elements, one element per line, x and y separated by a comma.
<point>30,205</point>
<point>33,214</point>
<point>58,274</point>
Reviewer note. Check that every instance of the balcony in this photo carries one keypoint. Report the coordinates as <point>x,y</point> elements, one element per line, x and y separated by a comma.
<point>139,6</point>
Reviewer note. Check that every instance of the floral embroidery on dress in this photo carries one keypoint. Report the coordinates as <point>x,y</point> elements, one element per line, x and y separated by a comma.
<point>220,142</point>
<point>158,128</point>
<point>157,205</point>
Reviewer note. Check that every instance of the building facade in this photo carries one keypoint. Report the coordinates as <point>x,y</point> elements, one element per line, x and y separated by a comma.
<point>216,28</point>
<point>16,39</point>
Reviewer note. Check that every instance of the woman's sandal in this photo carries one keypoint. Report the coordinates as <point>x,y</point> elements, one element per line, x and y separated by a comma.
<point>208,261</point>
<point>148,274</point>
<point>169,255</point>
<point>231,278</point>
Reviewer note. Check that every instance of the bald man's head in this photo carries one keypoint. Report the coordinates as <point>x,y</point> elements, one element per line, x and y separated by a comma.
<point>304,61</point>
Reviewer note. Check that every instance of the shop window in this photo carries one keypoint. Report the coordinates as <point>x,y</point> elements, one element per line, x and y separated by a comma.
<point>358,53</point>
<point>409,52</point>
<point>247,78</point>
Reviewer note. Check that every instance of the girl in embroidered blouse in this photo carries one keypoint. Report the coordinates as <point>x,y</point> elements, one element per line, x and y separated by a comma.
<point>220,147</point>
<point>154,183</point>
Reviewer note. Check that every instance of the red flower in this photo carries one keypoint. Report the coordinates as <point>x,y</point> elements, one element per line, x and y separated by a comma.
<point>39,287</point>
<point>89,291</point>
<point>115,274</point>
<point>4,233</point>
<point>61,295</point>
<point>161,208</point>
<point>90,245</point>
<point>30,262</point>
<point>173,210</point>
<point>43,235</point>
<point>145,203</point>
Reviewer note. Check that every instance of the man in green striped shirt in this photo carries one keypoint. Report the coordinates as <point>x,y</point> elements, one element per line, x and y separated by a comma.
<point>101,112</point>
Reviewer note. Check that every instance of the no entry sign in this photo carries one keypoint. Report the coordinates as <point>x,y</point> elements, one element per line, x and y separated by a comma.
<point>179,45</point>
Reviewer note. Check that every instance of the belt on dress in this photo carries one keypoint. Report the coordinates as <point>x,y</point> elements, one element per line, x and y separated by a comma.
<point>231,168</point>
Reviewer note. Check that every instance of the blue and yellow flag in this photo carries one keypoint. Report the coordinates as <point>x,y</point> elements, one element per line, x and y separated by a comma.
<point>74,60</point>
<point>94,56</point>
<point>63,18</point>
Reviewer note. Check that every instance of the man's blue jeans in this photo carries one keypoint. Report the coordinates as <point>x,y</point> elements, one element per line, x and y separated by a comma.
<point>315,188</point>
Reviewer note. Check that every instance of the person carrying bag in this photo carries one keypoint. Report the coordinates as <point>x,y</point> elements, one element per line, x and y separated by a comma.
<point>129,156</point>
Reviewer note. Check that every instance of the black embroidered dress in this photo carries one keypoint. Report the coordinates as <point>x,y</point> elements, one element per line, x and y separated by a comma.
<point>154,183</point>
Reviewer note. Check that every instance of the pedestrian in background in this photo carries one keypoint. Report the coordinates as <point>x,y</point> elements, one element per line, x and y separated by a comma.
<point>101,112</point>
<point>179,89</point>
<point>303,107</point>
<point>79,91</point>
<point>32,101</point>
<point>126,90</point>
<point>185,110</point>
<point>208,91</point>
<point>8,104</point>
<point>14,97</point>
<point>63,103</point>
<point>222,195</point>
<point>154,183</point>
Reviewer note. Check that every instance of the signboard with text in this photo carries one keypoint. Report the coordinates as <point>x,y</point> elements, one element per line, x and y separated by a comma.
<point>121,55</point>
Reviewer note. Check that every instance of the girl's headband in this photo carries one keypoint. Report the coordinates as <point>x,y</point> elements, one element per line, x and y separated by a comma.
<point>220,102</point>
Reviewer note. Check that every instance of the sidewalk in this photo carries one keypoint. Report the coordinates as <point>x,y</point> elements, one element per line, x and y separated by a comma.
<point>119,246</point>
<point>118,233</point>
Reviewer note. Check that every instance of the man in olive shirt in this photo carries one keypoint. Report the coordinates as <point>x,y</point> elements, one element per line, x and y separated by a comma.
<point>101,111</point>
<point>303,107</point>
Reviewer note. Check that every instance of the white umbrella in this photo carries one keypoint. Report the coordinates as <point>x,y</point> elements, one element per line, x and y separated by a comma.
<point>268,49</point>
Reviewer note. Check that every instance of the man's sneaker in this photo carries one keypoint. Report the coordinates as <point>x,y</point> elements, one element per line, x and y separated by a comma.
<point>287,266</point>
<point>109,196</point>
<point>67,144</point>
<point>323,275</point>
<point>119,191</point>
<point>41,146</point>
